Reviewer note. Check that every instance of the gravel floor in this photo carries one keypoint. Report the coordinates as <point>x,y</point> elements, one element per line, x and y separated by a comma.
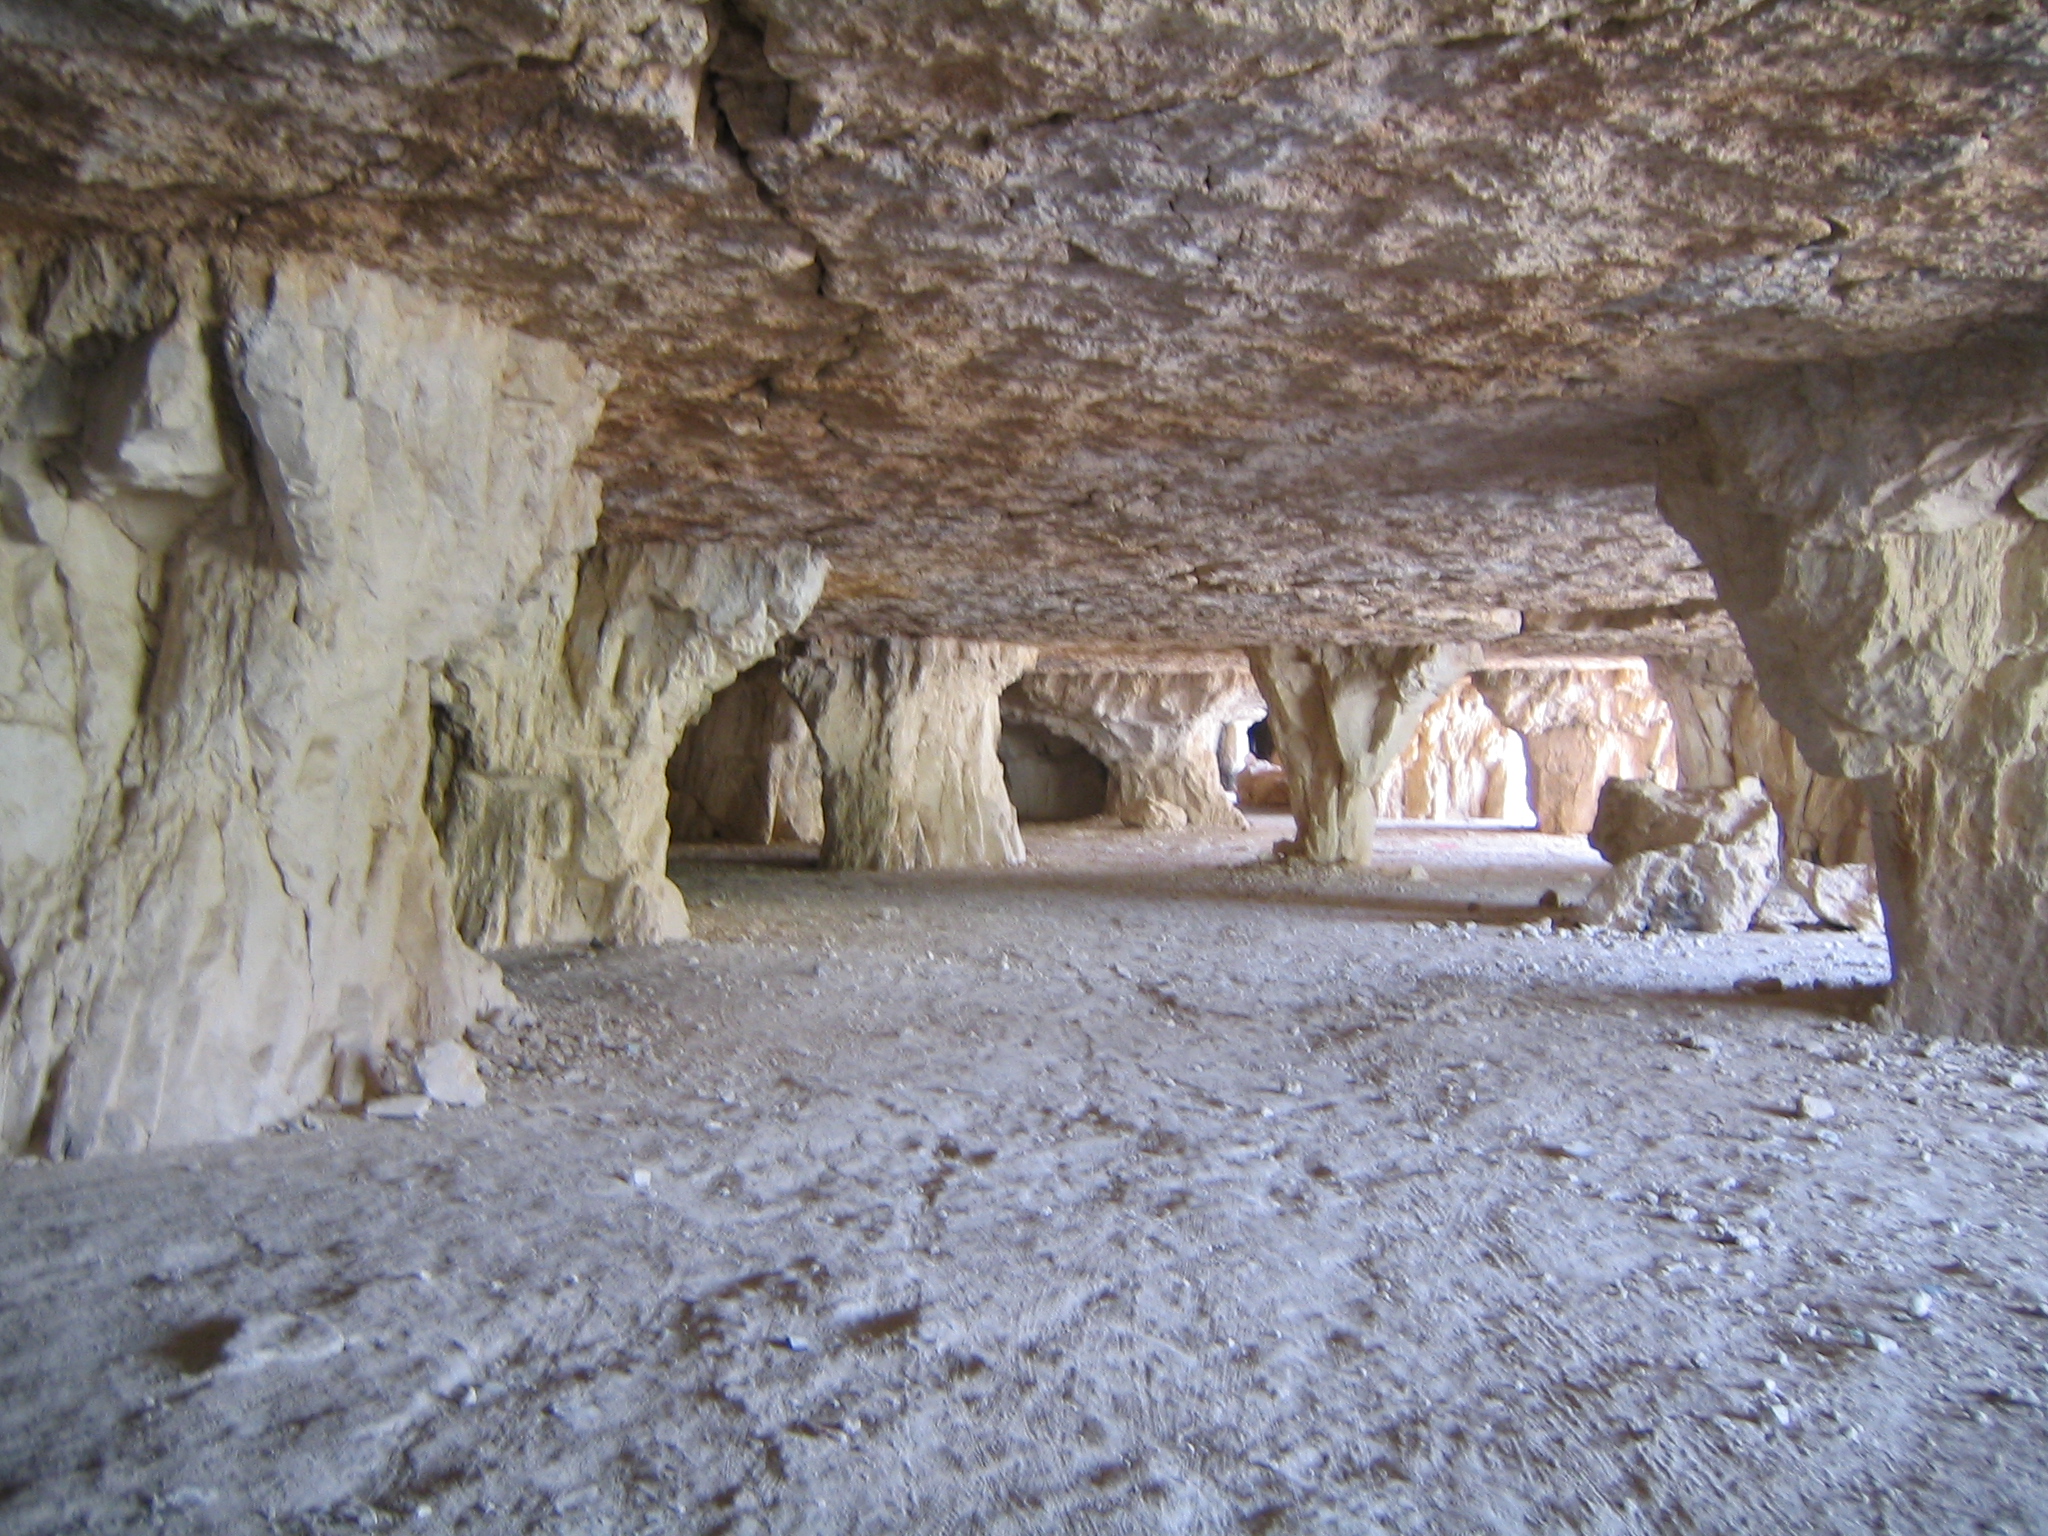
<point>1145,1188</point>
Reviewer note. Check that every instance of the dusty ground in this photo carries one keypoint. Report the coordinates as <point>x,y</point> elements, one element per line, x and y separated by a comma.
<point>1135,1190</point>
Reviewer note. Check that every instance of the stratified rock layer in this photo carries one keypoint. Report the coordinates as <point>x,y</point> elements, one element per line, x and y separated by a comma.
<point>906,732</point>
<point>1158,732</point>
<point>1874,529</point>
<point>553,737</point>
<point>1582,725</point>
<point>747,772</point>
<point>239,521</point>
<point>1341,715</point>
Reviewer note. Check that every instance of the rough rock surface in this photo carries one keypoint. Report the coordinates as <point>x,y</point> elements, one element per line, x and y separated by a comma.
<point>1874,527</point>
<point>1157,730</point>
<point>1342,715</point>
<point>747,772</point>
<point>553,734</point>
<point>1724,733</point>
<point>1281,318</point>
<point>1582,724</point>
<point>1703,860</point>
<point>1462,765</point>
<point>240,515</point>
<point>906,732</point>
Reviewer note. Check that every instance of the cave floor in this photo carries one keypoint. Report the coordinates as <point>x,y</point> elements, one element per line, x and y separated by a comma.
<point>1141,1188</point>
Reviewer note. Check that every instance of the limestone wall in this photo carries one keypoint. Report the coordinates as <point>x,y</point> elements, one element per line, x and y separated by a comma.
<point>1156,729</point>
<point>1463,765</point>
<point>242,514</point>
<point>554,733</point>
<point>1582,722</point>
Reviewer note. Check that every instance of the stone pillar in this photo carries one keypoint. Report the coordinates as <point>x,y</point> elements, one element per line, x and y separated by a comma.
<point>239,523</point>
<point>1341,714</point>
<point>1874,528</point>
<point>747,771</point>
<point>906,732</point>
<point>1724,734</point>
<point>1156,730</point>
<point>553,736</point>
<point>1582,723</point>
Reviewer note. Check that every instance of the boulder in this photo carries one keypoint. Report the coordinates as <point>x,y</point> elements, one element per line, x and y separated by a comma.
<point>1703,861</point>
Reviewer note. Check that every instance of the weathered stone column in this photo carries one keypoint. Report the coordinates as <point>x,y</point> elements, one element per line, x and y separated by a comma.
<point>1873,527</point>
<point>906,732</point>
<point>1156,731</point>
<point>553,736</point>
<point>1724,735</point>
<point>1341,714</point>
<point>281,498</point>
<point>1583,724</point>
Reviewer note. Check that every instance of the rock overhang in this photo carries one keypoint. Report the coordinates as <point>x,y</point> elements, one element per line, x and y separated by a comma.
<point>1198,324</point>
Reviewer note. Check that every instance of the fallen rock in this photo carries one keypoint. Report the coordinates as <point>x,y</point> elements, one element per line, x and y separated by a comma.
<point>1262,786</point>
<point>398,1106</point>
<point>1151,814</point>
<point>448,1075</point>
<point>1811,895</point>
<point>1702,861</point>
<point>1813,1107</point>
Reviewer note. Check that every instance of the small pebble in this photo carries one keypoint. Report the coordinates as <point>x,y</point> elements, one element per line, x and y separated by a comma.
<point>1813,1107</point>
<point>642,1178</point>
<point>2019,1080</point>
<point>1921,1305</point>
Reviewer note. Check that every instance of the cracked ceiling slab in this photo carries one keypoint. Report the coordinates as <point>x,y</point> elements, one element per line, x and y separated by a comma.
<point>1194,324</point>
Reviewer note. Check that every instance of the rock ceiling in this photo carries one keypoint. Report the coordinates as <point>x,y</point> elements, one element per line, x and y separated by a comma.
<point>1108,319</point>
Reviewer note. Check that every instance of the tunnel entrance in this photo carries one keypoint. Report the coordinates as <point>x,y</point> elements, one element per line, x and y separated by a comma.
<point>1051,777</point>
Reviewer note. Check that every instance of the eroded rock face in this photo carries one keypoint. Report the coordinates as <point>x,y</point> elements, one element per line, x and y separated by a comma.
<point>1462,765</point>
<point>1582,724</point>
<point>1157,730</point>
<point>244,513</point>
<point>747,772</point>
<point>906,732</point>
<point>1341,715</point>
<point>1703,860</point>
<point>553,736</point>
<point>1724,733</point>
<point>1872,527</point>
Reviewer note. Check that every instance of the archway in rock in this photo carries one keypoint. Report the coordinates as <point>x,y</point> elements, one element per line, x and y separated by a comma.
<point>1051,777</point>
